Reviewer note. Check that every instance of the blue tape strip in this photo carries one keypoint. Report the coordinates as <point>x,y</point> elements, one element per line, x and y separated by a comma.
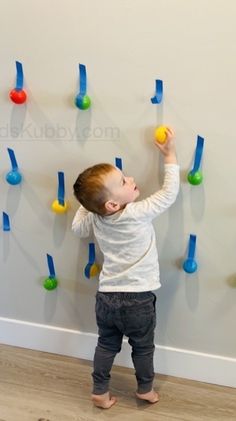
<point>190,265</point>
<point>83,80</point>
<point>5,222</point>
<point>61,188</point>
<point>198,154</point>
<point>91,253</point>
<point>51,266</point>
<point>13,159</point>
<point>91,260</point>
<point>87,270</point>
<point>192,246</point>
<point>19,76</point>
<point>119,163</point>
<point>159,92</point>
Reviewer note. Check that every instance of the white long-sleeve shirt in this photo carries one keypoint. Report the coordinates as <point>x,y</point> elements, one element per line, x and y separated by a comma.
<point>127,239</point>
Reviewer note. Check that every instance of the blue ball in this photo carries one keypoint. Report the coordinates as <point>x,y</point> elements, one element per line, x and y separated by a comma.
<point>190,266</point>
<point>14,177</point>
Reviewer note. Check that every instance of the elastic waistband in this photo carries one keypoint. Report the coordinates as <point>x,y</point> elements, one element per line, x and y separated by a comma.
<point>126,295</point>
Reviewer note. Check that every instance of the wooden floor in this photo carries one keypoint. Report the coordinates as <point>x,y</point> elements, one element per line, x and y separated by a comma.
<point>36,386</point>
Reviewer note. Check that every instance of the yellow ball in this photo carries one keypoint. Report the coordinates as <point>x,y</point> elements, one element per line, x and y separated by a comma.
<point>160,134</point>
<point>57,208</point>
<point>94,270</point>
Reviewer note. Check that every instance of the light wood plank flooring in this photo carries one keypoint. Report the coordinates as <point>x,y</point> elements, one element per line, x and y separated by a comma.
<point>36,386</point>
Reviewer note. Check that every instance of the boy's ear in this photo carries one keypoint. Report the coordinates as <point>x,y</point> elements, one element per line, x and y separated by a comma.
<point>112,206</point>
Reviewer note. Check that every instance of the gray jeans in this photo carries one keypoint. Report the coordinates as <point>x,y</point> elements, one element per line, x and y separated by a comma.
<point>132,314</point>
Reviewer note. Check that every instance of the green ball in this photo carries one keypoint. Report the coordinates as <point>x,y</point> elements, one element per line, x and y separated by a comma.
<point>83,103</point>
<point>50,283</point>
<point>195,178</point>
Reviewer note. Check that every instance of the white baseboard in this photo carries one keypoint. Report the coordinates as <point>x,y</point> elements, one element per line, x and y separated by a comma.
<point>170,361</point>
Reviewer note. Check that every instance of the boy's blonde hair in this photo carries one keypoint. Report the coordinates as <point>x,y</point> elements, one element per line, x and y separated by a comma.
<point>89,188</point>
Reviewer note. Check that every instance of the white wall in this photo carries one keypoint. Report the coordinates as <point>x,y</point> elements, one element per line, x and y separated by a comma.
<point>125,45</point>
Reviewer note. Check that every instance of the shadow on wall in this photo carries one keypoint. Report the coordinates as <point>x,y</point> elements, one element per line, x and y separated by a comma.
<point>5,246</point>
<point>13,199</point>
<point>231,280</point>
<point>59,229</point>
<point>39,207</point>
<point>33,262</point>
<point>43,130</point>
<point>153,171</point>
<point>82,126</point>
<point>173,245</point>
<point>197,202</point>
<point>17,120</point>
<point>50,302</point>
<point>174,242</point>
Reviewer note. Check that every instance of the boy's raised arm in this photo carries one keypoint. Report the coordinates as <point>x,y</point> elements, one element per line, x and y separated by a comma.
<point>82,222</point>
<point>158,202</point>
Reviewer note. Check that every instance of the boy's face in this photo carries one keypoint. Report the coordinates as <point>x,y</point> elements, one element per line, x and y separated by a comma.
<point>123,189</point>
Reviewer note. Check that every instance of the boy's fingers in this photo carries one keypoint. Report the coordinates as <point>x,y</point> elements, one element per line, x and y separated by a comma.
<point>170,131</point>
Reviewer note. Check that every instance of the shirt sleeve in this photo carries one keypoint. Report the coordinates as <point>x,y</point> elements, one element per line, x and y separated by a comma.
<point>158,202</point>
<point>82,222</point>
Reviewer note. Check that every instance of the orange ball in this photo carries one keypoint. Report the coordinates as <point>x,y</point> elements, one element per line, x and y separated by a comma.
<point>18,96</point>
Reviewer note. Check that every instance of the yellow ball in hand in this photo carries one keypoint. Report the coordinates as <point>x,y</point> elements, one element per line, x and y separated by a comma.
<point>57,208</point>
<point>160,134</point>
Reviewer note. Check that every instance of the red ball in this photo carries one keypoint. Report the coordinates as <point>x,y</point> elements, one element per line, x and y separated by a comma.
<point>18,97</point>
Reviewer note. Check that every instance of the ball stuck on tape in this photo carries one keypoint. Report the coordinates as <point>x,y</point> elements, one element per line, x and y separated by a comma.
<point>58,208</point>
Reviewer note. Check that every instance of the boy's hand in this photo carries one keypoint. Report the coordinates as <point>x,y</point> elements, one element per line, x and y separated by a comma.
<point>168,148</point>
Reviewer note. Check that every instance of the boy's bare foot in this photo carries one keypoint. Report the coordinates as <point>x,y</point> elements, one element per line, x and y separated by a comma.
<point>104,401</point>
<point>151,396</point>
